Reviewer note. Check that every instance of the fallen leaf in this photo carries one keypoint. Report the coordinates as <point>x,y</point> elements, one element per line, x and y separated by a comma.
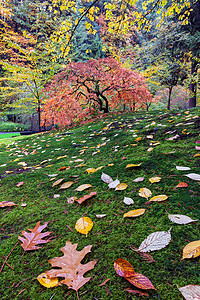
<point>155,241</point>
<point>191,250</point>
<point>52,175</point>
<point>141,282</point>
<point>190,292</point>
<point>103,283</point>
<point>123,268</point>
<point>146,257</point>
<point>80,200</point>
<point>159,198</point>
<point>121,187</point>
<point>106,178</point>
<point>71,200</point>
<point>182,184</point>
<point>56,196</point>
<point>150,149</point>
<point>83,187</point>
<point>139,179</point>
<point>134,213</point>
<point>114,184</point>
<point>134,292</point>
<point>7,203</point>
<point>133,165</point>
<point>198,154</point>
<point>182,168</point>
<point>66,185</point>
<point>145,193</point>
<point>128,201</point>
<point>20,184</point>
<point>84,225</point>
<point>193,176</point>
<point>35,237</point>
<point>57,182</point>
<point>69,266</point>
<point>23,204</point>
<point>90,170</point>
<point>154,179</point>
<point>101,216</point>
<point>63,168</point>
<point>138,139</point>
<point>46,281</point>
<point>180,219</point>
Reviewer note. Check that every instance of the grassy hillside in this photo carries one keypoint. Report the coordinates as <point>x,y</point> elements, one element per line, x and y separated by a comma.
<point>158,141</point>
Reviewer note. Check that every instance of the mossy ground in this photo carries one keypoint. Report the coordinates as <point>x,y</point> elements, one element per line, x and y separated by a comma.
<point>111,236</point>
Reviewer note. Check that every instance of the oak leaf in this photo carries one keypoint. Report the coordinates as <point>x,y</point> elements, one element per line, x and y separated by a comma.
<point>70,266</point>
<point>34,237</point>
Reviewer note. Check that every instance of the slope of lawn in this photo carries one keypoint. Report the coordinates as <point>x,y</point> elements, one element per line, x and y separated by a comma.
<point>159,141</point>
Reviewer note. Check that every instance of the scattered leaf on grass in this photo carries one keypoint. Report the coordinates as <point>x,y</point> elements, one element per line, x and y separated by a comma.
<point>46,281</point>
<point>191,250</point>
<point>128,201</point>
<point>190,292</point>
<point>134,213</point>
<point>134,292</point>
<point>141,282</point>
<point>180,219</point>
<point>154,179</point>
<point>71,200</point>
<point>123,268</point>
<point>146,257</point>
<point>80,200</point>
<point>181,185</point>
<point>90,170</point>
<point>159,198</point>
<point>106,178</point>
<point>20,184</point>
<point>69,266</point>
<point>83,187</point>
<point>57,182</point>
<point>121,187</point>
<point>182,168</point>
<point>101,216</point>
<point>193,176</point>
<point>133,165</point>
<point>84,225</point>
<point>155,241</point>
<point>7,203</point>
<point>35,237</point>
<point>66,185</point>
<point>139,179</point>
<point>145,193</point>
<point>114,184</point>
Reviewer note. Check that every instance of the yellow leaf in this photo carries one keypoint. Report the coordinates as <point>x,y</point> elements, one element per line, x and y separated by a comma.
<point>154,179</point>
<point>144,192</point>
<point>84,225</point>
<point>66,185</point>
<point>61,157</point>
<point>191,250</point>
<point>90,170</point>
<point>57,182</point>
<point>134,213</point>
<point>46,281</point>
<point>159,198</point>
<point>138,138</point>
<point>110,165</point>
<point>99,168</point>
<point>133,165</point>
<point>198,154</point>
<point>83,187</point>
<point>150,149</point>
<point>121,187</point>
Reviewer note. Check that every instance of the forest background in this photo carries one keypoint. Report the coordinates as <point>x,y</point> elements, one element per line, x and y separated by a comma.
<point>68,61</point>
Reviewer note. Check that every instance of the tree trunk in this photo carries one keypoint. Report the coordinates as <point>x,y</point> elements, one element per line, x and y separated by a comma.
<point>39,117</point>
<point>169,98</point>
<point>193,85</point>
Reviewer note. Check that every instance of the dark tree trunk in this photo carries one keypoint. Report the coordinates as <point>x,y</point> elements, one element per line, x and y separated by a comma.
<point>39,118</point>
<point>193,85</point>
<point>169,98</point>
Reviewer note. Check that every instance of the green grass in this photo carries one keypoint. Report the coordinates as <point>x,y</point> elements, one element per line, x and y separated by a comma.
<point>8,135</point>
<point>10,127</point>
<point>111,236</point>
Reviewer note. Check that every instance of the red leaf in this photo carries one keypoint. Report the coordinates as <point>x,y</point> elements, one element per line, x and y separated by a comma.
<point>123,268</point>
<point>141,282</point>
<point>80,200</point>
<point>182,184</point>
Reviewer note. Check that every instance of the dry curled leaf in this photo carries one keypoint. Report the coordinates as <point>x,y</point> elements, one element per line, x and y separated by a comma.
<point>71,200</point>
<point>7,203</point>
<point>146,257</point>
<point>190,292</point>
<point>83,187</point>
<point>80,200</point>
<point>84,225</point>
<point>191,250</point>
<point>46,281</point>
<point>134,292</point>
<point>106,178</point>
<point>35,237</point>
<point>69,266</point>
<point>145,193</point>
<point>156,241</point>
<point>134,213</point>
<point>180,219</point>
<point>133,166</point>
<point>155,179</point>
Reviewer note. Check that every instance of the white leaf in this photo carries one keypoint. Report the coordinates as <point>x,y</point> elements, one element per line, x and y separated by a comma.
<point>190,292</point>
<point>128,201</point>
<point>139,179</point>
<point>180,219</point>
<point>52,175</point>
<point>101,216</point>
<point>155,241</point>
<point>193,176</point>
<point>182,168</point>
<point>56,196</point>
<point>114,184</point>
<point>106,178</point>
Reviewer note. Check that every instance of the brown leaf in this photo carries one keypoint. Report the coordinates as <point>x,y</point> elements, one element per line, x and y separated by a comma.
<point>146,257</point>
<point>35,237</point>
<point>80,200</point>
<point>134,292</point>
<point>70,266</point>
<point>103,283</point>
<point>7,203</point>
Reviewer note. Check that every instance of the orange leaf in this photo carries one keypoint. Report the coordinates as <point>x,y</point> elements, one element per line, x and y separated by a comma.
<point>140,281</point>
<point>182,184</point>
<point>123,268</point>
<point>80,200</point>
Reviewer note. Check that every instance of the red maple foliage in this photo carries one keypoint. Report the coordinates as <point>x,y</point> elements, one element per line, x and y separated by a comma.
<point>82,89</point>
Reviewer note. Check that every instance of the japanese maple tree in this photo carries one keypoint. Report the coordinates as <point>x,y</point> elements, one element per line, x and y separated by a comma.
<point>97,85</point>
